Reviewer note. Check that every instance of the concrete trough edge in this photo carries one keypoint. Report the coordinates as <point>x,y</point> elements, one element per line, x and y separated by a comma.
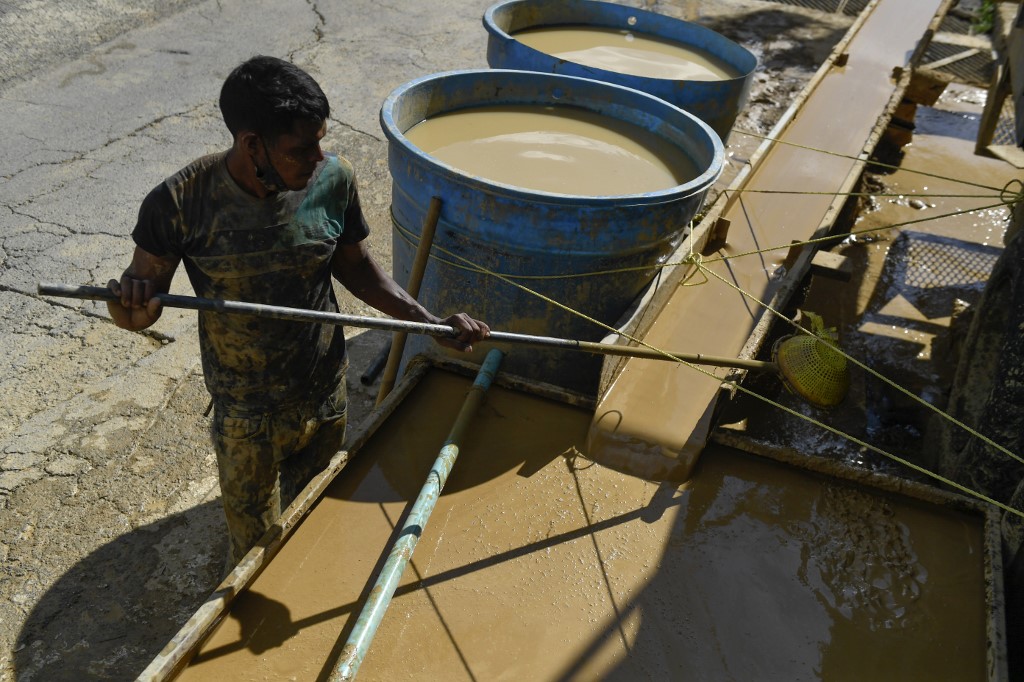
<point>641,314</point>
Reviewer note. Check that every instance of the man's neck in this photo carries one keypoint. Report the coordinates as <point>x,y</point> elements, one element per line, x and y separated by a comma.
<point>243,172</point>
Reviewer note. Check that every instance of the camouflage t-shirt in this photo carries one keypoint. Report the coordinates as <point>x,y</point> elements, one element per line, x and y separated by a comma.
<point>276,251</point>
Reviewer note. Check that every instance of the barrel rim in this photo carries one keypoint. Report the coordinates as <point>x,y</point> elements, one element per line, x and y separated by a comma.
<point>697,185</point>
<point>745,71</point>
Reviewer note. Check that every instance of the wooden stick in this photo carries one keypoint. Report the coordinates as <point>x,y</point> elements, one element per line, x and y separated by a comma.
<point>419,265</point>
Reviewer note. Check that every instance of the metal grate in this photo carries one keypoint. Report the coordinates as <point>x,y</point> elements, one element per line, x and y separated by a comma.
<point>970,66</point>
<point>932,262</point>
<point>955,24</point>
<point>1005,132</point>
<point>960,52</point>
<point>850,8</point>
<point>931,271</point>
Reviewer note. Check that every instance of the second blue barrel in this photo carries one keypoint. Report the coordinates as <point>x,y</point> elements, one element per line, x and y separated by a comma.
<point>517,40</point>
<point>592,252</point>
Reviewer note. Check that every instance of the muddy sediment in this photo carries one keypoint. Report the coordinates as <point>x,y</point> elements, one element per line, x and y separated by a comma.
<point>564,150</point>
<point>540,564</point>
<point>626,52</point>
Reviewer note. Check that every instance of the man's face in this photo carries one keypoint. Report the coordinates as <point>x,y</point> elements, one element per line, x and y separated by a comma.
<point>296,154</point>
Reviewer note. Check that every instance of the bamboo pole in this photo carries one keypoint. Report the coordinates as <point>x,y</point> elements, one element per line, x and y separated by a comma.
<point>419,265</point>
<point>384,587</point>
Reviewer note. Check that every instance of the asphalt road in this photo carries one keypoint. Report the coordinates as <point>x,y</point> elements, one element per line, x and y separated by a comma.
<point>38,36</point>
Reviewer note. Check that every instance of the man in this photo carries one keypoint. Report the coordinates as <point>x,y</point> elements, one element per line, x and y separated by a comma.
<point>268,221</point>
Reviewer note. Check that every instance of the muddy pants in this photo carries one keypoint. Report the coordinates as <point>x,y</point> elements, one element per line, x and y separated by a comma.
<point>266,459</point>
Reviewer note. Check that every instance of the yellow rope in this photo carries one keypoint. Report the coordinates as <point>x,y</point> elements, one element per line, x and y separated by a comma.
<point>1007,198</point>
<point>926,195</point>
<point>697,261</point>
<point>408,237</point>
<point>1010,197</point>
<point>853,233</point>
<point>895,458</point>
<point>877,375</point>
<point>869,161</point>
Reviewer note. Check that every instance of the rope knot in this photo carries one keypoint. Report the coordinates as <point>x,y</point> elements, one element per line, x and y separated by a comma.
<point>697,261</point>
<point>1010,196</point>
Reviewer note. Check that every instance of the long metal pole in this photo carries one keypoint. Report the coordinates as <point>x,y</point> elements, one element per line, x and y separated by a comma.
<point>387,324</point>
<point>401,551</point>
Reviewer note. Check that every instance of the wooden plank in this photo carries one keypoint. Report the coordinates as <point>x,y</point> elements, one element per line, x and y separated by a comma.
<point>832,266</point>
<point>926,86</point>
<point>953,58</point>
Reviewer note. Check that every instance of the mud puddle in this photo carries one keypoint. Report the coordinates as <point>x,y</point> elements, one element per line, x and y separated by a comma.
<point>540,564</point>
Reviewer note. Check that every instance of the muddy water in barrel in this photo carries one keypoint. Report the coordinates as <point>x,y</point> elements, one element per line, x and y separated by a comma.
<point>563,150</point>
<point>627,52</point>
<point>538,564</point>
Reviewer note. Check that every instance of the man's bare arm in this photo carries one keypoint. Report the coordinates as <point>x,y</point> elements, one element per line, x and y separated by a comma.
<point>358,272</point>
<point>147,276</point>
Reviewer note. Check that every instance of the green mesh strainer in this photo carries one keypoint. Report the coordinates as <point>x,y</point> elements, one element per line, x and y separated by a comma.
<point>810,368</point>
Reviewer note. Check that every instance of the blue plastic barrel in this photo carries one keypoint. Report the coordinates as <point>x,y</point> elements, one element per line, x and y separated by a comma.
<point>540,238</point>
<point>717,102</point>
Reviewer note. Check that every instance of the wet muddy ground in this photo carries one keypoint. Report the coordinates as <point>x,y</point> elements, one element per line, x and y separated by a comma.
<point>581,572</point>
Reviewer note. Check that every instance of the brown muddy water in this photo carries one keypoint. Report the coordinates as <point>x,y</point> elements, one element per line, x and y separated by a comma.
<point>539,564</point>
<point>558,149</point>
<point>627,52</point>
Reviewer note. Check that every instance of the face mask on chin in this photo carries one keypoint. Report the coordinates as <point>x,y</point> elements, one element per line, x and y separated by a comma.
<point>267,174</point>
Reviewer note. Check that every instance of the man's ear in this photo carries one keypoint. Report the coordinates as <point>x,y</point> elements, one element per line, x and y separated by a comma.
<point>249,142</point>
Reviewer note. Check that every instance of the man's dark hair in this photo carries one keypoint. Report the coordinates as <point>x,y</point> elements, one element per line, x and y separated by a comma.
<point>269,96</point>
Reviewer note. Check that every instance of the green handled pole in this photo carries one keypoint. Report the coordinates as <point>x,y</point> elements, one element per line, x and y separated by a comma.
<point>401,551</point>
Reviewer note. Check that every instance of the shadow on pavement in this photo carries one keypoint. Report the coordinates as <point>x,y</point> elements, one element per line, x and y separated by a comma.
<point>109,615</point>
